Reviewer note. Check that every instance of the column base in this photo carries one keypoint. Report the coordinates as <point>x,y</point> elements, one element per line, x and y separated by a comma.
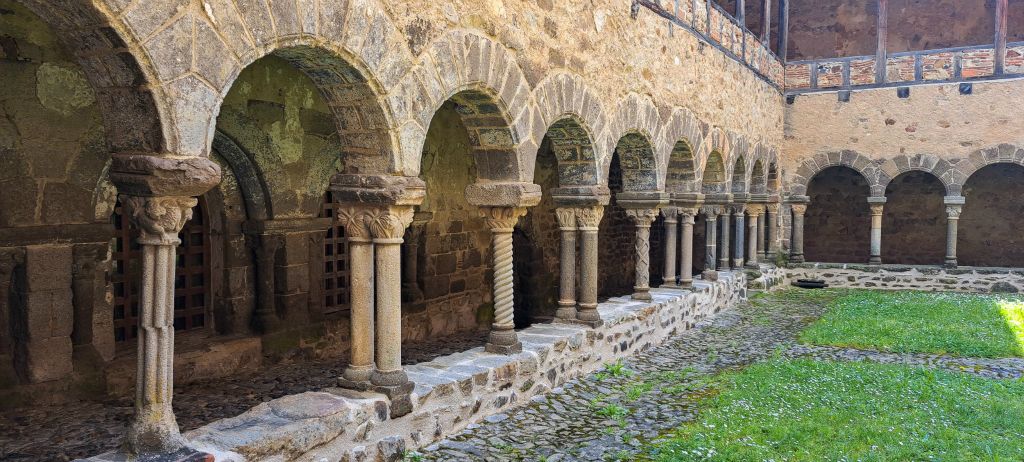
<point>566,312</point>
<point>753,265</point>
<point>357,374</point>
<point>359,385</point>
<point>709,275</point>
<point>875,261</point>
<point>669,285</point>
<point>588,316</point>
<point>686,284</point>
<point>737,264</point>
<point>503,342</point>
<point>796,258</point>
<point>950,263</point>
<point>642,294</point>
<point>400,396</point>
<point>723,265</point>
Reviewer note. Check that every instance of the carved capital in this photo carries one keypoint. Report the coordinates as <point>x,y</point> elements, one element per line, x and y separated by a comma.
<point>756,209</point>
<point>355,219</point>
<point>876,209</point>
<point>953,211</point>
<point>688,214</point>
<point>671,214</point>
<point>566,218</point>
<point>799,209</point>
<point>388,223</point>
<point>773,209</point>
<point>159,219</point>
<point>643,217</point>
<point>711,210</point>
<point>502,219</point>
<point>589,218</point>
<point>737,209</point>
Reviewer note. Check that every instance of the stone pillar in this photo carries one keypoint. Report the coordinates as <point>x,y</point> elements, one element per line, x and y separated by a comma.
<point>157,194</point>
<point>360,367</point>
<point>643,219</point>
<point>724,255</point>
<point>761,248</point>
<point>501,220</point>
<point>266,246</point>
<point>686,217</point>
<point>797,248</point>
<point>410,264</point>
<point>877,206</point>
<point>772,230</point>
<point>588,219</point>
<point>710,237</point>
<point>954,205</point>
<point>741,246</point>
<point>671,225</point>
<point>567,264</point>
<point>752,231</point>
<point>387,225</point>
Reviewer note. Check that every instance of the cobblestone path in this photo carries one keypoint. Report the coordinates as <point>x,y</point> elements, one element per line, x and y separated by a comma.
<point>609,415</point>
<point>66,432</point>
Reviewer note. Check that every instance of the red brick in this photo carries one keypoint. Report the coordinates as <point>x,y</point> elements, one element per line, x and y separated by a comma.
<point>977,63</point>
<point>798,76</point>
<point>938,66</point>
<point>900,69</point>
<point>1014,63</point>
<point>830,74</point>
<point>862,71</point>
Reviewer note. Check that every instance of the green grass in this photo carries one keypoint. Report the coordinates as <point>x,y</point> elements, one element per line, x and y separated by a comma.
<point>923,322</point>
<point>805,410</point>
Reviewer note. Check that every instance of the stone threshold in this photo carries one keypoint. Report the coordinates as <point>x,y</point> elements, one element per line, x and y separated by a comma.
<point>456,390</point>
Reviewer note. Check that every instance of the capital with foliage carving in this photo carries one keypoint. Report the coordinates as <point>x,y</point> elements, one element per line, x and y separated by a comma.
<point>877,209</point>
<point>356,220</point>
<point>643,217</point>
<point>566,218</point>
<point>388,224</point>
<point>671,214</point>
<point>159,219</point>
<point>799,209</point>
<point>688,214</point>
<point>502,219</point>
<point>755,210</point>
<point>711,211</point>
<point>773,208</point>
<point>589,218</point>
<point>953,211</point>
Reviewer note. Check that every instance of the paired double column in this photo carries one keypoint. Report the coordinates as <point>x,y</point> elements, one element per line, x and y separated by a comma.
<point>158,193</point>
<point>583,222</point>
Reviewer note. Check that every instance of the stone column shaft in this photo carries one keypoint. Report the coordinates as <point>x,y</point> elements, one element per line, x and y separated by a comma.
<point>710,238</point>
<point>772,231</point>
<point>877,207</point>
<point>502,220</point>
<point>741,246</point>
<point>752,228</point>
<point>686,217</point>
<point>567,265</point>
<point>361,295</point>
<point>761,249</point>
<point>266,306</point>
<point>671,226</point>
<point>797,246</point>
<point>588,219</point>
<point>954,205</point>
<point>643,219</point>
<point>724,255</point>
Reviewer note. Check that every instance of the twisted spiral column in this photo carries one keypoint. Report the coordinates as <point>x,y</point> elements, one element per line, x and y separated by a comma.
<point>502,338</point>
<point>643,219</point>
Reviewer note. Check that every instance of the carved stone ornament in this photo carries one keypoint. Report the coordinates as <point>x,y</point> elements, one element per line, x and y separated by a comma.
<point>355,220</point>
<point>643,217</point>
<point>389,223</point>
<point>159,219</point>
<point>589,217</point>
<point>799,209</point>
<point>502,218</point>
<point>566,218</point>
<point>953,211</point>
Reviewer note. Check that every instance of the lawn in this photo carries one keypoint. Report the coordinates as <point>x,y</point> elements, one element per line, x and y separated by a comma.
<point>806,410</point>
<point>923,322</point>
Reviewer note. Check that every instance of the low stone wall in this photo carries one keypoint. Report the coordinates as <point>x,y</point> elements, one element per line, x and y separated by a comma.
<point>933,278</point>
<point>456,390</point>
<point>767,278</point>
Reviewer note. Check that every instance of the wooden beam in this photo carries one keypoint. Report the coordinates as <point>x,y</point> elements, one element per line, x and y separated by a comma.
<point>881,54</point>
<point>1001,9</point>
<point>766,23</point>
<point>783,29</point>
<point>741,12</point>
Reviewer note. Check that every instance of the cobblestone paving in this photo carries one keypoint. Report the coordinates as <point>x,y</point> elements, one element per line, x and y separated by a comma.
<point>1001,368</point>
<point>611,414</point>
<point>66,432</point>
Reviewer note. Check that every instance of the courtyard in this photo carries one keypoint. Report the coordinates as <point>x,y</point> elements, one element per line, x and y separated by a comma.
<point>832,374</point>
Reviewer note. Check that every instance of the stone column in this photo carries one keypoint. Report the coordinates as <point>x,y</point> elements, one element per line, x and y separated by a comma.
<point>710,237</point>
<point>588,219</point>
<point>157,194</point>
<point>671,225</point>
<point>410,264</point>
<point>567,264</point>
<point>797,248</point>
<point>387,225</point>
<point>360,367</point>
<point>724,255</point>
<point>740,247</point>
<point>501,220</point>
<point>772,230</point>
<point>686,217</point>
<point>266,306</point>
<point>752,231</point>
<point>643,219</point>
<point>761,248</point>
<point>954,205</point>
<point>877,206</point>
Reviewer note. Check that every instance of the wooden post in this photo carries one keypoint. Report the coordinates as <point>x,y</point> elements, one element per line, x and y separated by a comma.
<point>1001,9</point>
<point>741,12</point>
<point>783,29</point>
<point>880,52</point>
<point>766,24</point>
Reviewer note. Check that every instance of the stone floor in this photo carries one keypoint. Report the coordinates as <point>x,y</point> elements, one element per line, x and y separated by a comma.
<point>58,433</point>
<point>610,415</point>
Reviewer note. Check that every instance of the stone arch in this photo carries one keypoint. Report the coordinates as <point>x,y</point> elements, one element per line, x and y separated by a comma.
<point>738,182</point>
<point>638,162</point>
<point>249,176</point>
<point>868,168</point>
<point>977,160</point>
<point>574,151</point>
<point>463,61</point>
<point>714,179</point>
<point>758,177</point>
<point>838,218</point>
<point>679,144</point>
<point>562,98</point>
<point>939,168</point>
<point>715,141</point>
<point>634,115</point>
<point>226,39</point>
<point>991,220</point>
<point>132,105</point>
<point>914,219</point>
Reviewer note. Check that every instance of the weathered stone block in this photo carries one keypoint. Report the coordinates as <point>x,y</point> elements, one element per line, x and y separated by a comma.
<point>47,359</point>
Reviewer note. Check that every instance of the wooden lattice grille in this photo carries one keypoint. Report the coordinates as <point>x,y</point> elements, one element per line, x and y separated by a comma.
<point>192,277</point>
<point>336,278</point>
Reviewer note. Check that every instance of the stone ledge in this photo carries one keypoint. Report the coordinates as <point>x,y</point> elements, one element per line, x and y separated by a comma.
<point>456,390</point>
<point>933,278</point>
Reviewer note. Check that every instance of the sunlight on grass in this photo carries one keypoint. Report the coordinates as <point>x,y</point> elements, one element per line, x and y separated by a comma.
<point>806,410</point>
<point>923,322</point>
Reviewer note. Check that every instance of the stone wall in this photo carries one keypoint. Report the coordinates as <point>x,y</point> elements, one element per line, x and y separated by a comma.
<point>838,220</point>
<point>933,278</point>
<point>993,217</point>
<point>457,390</point>
<point>537,249</point>
<point>914,220</point>
<point>616,258</point>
